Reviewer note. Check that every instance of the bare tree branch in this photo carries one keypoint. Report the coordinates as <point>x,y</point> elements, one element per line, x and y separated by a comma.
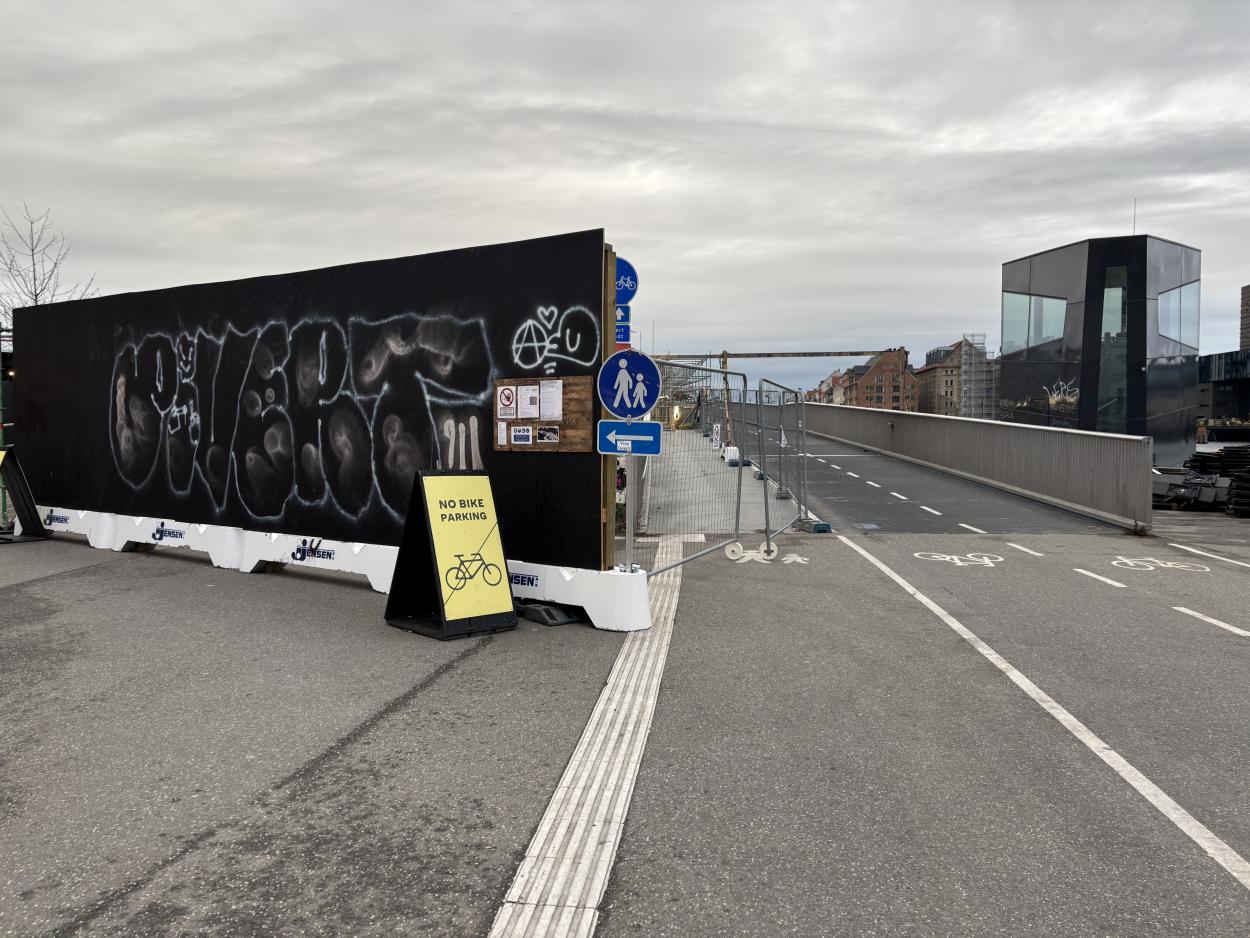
<point>32,258</point>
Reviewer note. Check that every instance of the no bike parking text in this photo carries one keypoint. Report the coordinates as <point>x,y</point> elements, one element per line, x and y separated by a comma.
<point>476,509</point>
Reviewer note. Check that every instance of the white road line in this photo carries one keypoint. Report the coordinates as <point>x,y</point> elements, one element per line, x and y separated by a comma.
<point>932,511</point>
<point>818,459</point>
<point>1194,550</point>
<point>875,485</point>
<point>896,495</point>
<point>852,475</point>
<point>1025,549</point>
<point>1097,577</point>
<point>560,882</point>
<point>1190,826</point>
<point>834,467</point>
<point>971,528</point>
<point>1223,625</point>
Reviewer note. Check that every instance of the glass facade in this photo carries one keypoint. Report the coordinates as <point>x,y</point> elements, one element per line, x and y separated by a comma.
<point>1103,335</point>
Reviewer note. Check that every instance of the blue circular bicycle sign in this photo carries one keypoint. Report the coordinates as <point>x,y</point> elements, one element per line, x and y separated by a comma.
<point>626,282</point>
<point>629,384</point>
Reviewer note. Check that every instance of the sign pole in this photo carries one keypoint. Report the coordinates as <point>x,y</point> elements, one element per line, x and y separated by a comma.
<point>631,496</point>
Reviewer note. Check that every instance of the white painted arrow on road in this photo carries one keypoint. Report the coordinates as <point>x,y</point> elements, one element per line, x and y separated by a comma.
<point>615,437</point>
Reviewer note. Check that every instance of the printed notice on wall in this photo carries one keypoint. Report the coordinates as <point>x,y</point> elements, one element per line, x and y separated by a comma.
<point>551,399</point>
<point>527,402</point>
<point>505,402</point>
<point>548,434</point>
<point>502,438</point>
<point>522,435</point>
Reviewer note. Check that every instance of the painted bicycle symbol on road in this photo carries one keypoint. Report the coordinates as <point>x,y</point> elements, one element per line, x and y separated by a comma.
<point>1153,563</point>
<point>962,560</point>
<point>468,567</point>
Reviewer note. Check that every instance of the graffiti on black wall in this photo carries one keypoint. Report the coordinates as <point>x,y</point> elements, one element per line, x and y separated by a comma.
<point>332,416</point>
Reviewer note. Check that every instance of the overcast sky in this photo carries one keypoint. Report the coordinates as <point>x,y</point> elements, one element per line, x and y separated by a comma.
<point>784,176</point>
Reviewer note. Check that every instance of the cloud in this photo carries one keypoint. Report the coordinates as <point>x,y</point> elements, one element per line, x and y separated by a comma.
<point>784,176</point>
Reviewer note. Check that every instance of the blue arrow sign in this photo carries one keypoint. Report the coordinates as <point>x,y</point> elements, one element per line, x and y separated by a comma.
<point>626,281</point>
<point>622,438</point>
<point>622,315</point>
<point>629,384</point>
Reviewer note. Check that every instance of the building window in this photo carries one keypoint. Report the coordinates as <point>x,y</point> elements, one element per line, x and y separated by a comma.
<point>1031,320</point>
<point>1178,314</point>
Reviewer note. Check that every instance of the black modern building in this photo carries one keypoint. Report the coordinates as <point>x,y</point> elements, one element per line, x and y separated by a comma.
<point>1103,335</point>
<point>1224,387</point>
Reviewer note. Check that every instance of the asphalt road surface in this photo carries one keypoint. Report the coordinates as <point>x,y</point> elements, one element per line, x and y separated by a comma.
<point>964,713</point>
<point>833,756</point>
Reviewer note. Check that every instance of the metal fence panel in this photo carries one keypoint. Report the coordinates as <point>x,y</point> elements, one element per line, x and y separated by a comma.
<point>695,485</point>
<point>783,465</point>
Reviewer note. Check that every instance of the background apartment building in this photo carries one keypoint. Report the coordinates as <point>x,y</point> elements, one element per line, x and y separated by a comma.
<point>959,380</point>
<point>938,382</point>
<point>1245,318</point>
<point>886,383</point>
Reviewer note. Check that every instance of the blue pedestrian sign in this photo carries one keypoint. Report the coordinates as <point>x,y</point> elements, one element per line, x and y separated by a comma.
<point>625,438</point>
<point>626,281</point>
<point>629,384</point>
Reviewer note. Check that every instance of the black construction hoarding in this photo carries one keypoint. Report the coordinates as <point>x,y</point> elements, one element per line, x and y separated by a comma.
<point>304,403</point>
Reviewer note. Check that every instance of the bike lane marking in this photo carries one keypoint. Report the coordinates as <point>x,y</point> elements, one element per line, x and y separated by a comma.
<point>852,475</point>
<point>1194,550</point>
<point>1223,625</point>
<point>875,485</point>
<point>1098,577</point>
<point>560,882</point>
<point>971,528</point>
<point>932,511</point>
<point>900,497</point>
<point>1194,829</point>
<point>1025,549</point>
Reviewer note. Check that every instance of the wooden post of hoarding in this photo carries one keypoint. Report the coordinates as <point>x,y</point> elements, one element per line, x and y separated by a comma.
<point>729,422</point>
<point>607,469</point>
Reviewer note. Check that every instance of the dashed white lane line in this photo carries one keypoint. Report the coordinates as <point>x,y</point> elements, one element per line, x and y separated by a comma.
<point>971,528</point>
<point>896,495</point>
<point>932,511</point>
<point>1223,625</point>
<point>852,475</point>
<point>1194,550</point>
<point>1190,826</point>
<point>1025,549</point>
<point>875,485</point>
<point>1102,578</point>
<point>818,459</point>
<point>561,880</point>
<point>832,466</point>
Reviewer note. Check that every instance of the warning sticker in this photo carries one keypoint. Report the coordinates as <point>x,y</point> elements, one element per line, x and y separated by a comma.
<point>505,401</point>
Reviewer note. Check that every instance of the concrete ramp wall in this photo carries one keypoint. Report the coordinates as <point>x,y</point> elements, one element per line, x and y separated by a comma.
<point>1103,475</point>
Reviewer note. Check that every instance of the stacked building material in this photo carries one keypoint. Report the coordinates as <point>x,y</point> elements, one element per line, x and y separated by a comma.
<point>1237,468</point>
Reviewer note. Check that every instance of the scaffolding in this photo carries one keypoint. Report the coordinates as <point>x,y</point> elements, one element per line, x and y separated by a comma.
<point>978,393</point>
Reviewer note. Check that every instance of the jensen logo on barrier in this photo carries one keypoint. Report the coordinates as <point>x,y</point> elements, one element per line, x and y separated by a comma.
<point>163,533</point>
<point>54,518</point>
<point>523,579</point>
<point>311,550</point>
